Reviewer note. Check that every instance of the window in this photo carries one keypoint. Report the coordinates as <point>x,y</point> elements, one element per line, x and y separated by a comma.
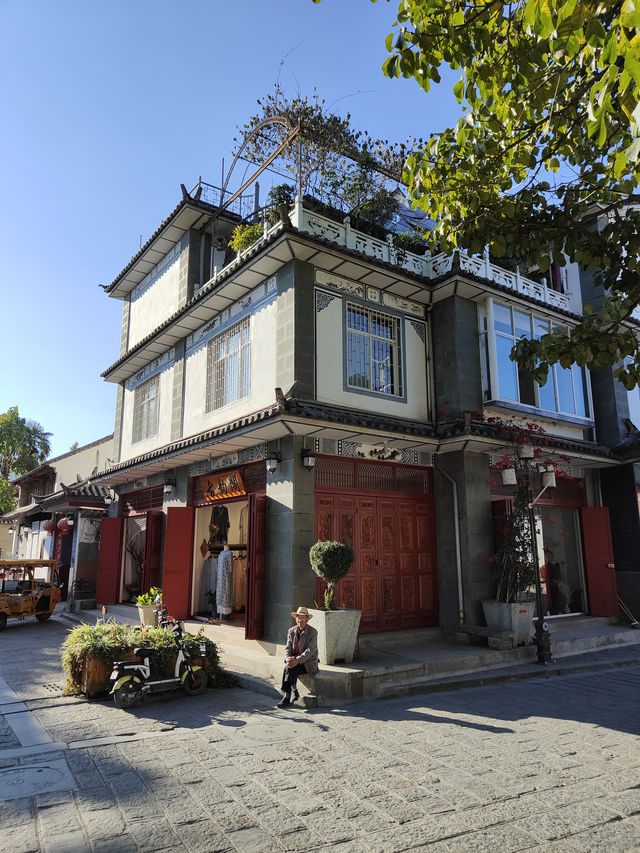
<point>228,366</point>
<point>565,391</point>
<point>146,409</point>
<point>373,351</point>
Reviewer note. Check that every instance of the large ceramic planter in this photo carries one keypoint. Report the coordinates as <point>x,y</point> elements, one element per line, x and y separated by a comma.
<point>515,618</point>
<point>337,634</point>
<point>147,615</point>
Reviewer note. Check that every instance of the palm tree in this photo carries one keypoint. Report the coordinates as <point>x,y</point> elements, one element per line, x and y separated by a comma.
<point>24,445</point>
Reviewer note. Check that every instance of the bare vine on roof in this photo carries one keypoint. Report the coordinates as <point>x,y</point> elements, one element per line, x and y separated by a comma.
<point>330,160</point>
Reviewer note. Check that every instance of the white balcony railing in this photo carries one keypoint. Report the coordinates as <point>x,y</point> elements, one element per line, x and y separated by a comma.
<point>429,266</point>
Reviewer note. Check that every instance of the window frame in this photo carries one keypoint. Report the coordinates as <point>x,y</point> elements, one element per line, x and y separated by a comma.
<point>397,342</point>
<point>141,428</point>
<point>490,360</point>
<point>216,397</point>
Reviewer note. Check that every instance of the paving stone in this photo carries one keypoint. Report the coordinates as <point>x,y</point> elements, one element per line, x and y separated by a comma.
<point>19,839</point>
<point>64,842</point>
<point>205,838</point>
<point>154,835</point>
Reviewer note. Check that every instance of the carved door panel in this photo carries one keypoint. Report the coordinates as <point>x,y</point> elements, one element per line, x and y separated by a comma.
<point>390,589</point>
<point>346,524</point>
<point>367,563</point>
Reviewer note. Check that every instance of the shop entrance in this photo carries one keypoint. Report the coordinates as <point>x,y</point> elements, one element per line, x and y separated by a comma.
<point>225,522</point>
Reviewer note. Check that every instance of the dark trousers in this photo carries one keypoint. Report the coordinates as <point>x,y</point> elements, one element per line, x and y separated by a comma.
<point>290,677</point>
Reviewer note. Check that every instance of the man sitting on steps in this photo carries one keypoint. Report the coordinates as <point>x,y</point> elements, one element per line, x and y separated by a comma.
<point>301,655</point>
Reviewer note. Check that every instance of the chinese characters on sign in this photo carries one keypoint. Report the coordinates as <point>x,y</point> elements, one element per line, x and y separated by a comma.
<point>220,486</point>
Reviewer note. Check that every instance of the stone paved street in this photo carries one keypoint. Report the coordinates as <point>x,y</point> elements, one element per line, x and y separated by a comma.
<point>547,764</point>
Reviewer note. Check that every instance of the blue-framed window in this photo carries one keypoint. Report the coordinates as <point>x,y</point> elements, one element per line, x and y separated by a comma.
<point>566,390</point>
<point>374,351</point>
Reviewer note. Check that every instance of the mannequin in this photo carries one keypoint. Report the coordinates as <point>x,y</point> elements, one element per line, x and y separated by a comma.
<point>224,584</point>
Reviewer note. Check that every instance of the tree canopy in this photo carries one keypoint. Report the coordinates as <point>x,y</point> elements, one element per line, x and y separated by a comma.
<point>545,160</point>
<point>23,446</point>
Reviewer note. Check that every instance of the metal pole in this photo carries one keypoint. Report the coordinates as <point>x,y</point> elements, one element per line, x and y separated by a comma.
<point>543,640</point>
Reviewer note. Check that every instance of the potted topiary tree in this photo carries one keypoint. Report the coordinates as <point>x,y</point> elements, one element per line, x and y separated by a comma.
<point>337,627</point>
<point>148,603</point>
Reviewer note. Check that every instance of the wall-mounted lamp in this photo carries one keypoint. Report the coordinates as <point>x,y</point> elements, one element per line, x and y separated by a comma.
<point>168,488</point>
<point>271,461</point>
<point>308,458</point>
<point>108,499</point>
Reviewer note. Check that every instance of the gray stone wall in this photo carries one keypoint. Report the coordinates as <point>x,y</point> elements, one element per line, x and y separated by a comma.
<point>177,394</point>
<point>117,429</point>
<point>124,334</point>
<point>471,474</point>
<point>290,533</point>
<point>456,357</point>
<point>295,361</point>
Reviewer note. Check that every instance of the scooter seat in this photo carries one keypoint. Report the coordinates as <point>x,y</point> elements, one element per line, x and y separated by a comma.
<point>144,653</point>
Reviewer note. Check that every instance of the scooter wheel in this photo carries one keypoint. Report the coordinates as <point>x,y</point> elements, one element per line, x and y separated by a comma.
<point>3,621</point>
<point>195,682</point>
<point>126,695</point>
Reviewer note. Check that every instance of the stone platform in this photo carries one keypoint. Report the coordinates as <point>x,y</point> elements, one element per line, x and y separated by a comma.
<point>407,662</point>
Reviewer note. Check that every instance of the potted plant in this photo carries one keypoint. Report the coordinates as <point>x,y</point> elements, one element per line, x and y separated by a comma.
<point>337,627</point>
<point>148,603</point>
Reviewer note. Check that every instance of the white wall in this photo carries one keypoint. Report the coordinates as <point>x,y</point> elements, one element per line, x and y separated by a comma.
<point>154,299</point>
<point>163,436</point>
<point>262,373</point>
<point>81,462</point>
<point>330,357</point>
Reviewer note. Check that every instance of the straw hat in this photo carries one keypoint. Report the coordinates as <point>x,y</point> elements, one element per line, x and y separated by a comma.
<point>302,611</point>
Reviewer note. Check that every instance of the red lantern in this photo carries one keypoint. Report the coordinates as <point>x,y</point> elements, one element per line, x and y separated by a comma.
<point>64,526</point>
<point>49,526</point>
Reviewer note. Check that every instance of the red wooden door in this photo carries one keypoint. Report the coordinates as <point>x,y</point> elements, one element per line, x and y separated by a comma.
<point>152,550</point>
<point>254,626</point>
<point>178,561</point>
<point>109,561</point>
<point>598,561</point>
<point>393,579</point>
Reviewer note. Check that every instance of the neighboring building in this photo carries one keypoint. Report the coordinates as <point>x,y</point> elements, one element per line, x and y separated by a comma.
<point>58,515</point>
<point>321,343</point>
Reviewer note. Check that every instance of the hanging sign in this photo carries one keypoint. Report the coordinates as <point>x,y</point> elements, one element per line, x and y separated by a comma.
<point>219,486</point>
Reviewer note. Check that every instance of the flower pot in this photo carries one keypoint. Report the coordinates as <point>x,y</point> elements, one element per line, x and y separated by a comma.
<point>515,618</point>
<point>147,615</point>
<point>337,634</point>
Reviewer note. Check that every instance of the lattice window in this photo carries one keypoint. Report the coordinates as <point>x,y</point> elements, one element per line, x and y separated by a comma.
<point>373,351</point>
<point>228,366</point>
<point>146,409</point>
<point>341,473</point>
<point>141,500</point>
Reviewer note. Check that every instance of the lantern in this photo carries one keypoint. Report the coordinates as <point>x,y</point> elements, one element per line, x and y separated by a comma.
<point>64,526</point>
<point>49,526</point>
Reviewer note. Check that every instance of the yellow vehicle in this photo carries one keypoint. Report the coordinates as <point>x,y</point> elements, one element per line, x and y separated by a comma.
<point>28,588</point>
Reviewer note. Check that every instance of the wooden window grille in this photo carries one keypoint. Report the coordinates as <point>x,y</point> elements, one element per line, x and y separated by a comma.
<point>335,472</point>
<point>141,500</point>
<point>146,409</point>
<point>228,366</point>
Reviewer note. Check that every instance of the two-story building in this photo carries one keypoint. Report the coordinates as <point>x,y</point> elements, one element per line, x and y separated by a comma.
<point>323,384</point>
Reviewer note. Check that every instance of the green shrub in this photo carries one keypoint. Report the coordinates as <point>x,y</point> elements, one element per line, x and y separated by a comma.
<point>331,561</point>
<point>245,235</point>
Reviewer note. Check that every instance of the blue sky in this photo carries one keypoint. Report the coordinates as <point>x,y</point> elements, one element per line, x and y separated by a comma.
<point>107,108</point>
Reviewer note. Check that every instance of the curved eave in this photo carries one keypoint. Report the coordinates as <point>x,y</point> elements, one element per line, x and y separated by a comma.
<point>186,215</point>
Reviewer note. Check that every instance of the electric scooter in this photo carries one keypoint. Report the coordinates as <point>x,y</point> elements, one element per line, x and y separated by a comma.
<point>132,679</point>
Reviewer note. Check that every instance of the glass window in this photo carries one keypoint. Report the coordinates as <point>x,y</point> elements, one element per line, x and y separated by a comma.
<point>146,409</point>
<point>228,366</point>
<point>565,390</point>
<point>373,351</point>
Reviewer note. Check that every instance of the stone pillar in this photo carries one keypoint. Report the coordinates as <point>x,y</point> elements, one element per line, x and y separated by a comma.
<point>290,533</point>
<point>456,357</point>
<point>471,474</point>
<point>177,393</point>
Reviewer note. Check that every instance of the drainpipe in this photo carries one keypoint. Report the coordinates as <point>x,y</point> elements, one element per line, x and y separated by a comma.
<point>456,524</point>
